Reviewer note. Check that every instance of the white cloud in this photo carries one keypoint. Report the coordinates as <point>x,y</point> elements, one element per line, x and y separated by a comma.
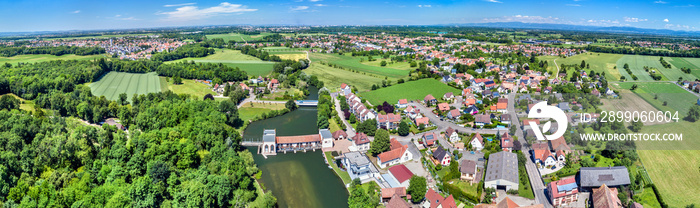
<point>315,0</point>
<point>76,11</point>
<point>678,27</point>
<point>119,17</point>
<point>194,12</point>
<point>425,5</point>
<point>634,19</point>
<point>177,5</point>
<point>299,8</point>
<point>493,1</point>
<point>660,2</point>
<point>320,5</point>
<point>573,5</point>
<point>665,20</point>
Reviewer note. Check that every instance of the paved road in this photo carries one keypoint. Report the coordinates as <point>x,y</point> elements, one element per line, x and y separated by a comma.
<point>350,131</point>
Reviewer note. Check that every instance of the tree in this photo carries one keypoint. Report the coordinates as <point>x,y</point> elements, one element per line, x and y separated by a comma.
<point>9,102</point>
<point>381,142</point>
<point>230,109</point>
<point>123,99</point>
<point>404,129</point>
<point>360,199</point>
<point>383,63</point>
<point>417,187</point>
<point>208,96</point>
<point>636,125</point>
<point>291,105</point>
<point>177,80</point>
<point>368,127</point>
<point>693,113</point>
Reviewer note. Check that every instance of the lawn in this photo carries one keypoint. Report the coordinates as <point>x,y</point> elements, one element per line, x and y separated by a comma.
<point>354,63</point>
<point>234,58</point>
<point>466,187</point>
<point>188,86</point>
<point>251,110</point>
<point>333,126</point>
<point>238,37</point>
<point>342,174</point>
<point>524,188</point>
<point>333,78</point>
<point>413,90</point>
<point>637,63</point>
<point>677,98</point>
<point>599,62</point>
<point>647,198</point>
<point>45,57</point>
<point>692,63</point>
<point>114,83</point>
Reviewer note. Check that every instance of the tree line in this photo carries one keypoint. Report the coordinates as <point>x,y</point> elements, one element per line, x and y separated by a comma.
<point>6,51</point>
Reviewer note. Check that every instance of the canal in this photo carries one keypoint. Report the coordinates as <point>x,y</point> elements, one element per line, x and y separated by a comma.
<point>297,179</point>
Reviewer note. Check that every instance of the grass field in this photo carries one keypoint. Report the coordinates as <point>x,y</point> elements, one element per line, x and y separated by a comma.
<point>114,83</point>
<point>692,63</point>
<point>414,90</point>
<point>238,37</point>
<point>290,55</point>
<point>354,63</point>
<point>675,173</point>
<point>678,99</point>
<point>637,63</point>
<point>188,86</point>
<point>599,62</point>
<point>333,78</point>
<point>647,198</point>
<point>629,101</point>
<point>251,110</point>
<point>234,58</point>
<point>45,57</point>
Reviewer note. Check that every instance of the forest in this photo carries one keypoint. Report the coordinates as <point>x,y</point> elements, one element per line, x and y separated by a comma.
<point>56,51</point>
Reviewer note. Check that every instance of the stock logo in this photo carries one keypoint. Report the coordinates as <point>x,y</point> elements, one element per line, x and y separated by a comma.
<point>543,111</point>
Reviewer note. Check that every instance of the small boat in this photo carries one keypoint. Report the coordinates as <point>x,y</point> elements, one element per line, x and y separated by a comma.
<point>329,167</point>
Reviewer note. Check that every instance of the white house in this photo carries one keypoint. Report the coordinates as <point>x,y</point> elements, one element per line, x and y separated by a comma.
<point>442,156</point>
<point>359,166</point>
<point>398,154</point>
<point>403,103</point>
<point>452,135</point>
<point>360,142</point>
<point>326,138</point>
<point>477,142</point>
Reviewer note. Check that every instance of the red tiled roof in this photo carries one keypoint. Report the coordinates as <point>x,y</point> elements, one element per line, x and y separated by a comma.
<point>339,133</point>
<point>298,139</point>
<point>433,197</point>
<point>360,138</point>
<point>389,192</point>
<point>449,202</point>
<point>478,137</point>
<point>553,188</point>
<point>429,97</point>
<point>397,202</point>
<point>403,101</point>
<point>401,173</point>
<point>392,154</point>
<point>443,106</point>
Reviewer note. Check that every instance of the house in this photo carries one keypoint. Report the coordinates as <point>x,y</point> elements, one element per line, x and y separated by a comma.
<point>482,119</point>
<point>403,103</point>
<point>326,138</point>
<point>345,89</point>
<point>452,135</point>
<point>605,197</point>
<point>389,121</point>
<point>611,176</point>
<point>507,142</point>
<point>360,142</point>
<point>453,114</point>
<point>113,122</point>
<point>564,106</point>
<point>359,166</point>
<point>401,173</point>
<point>434,200</point>
<point>397,202</point>
<point>468,170</point>
<point>429,139</point>
<point>398,154</point>
<point>477,142</point>
<point>502,171</point>
<point>563,191</point>
<point>502,107</point>
<point>448,96</point>
<point>388,193</point>
<point>559,145</point>
<point>425,121</point>
<point>473,110</point>
<point>507,203</point>
<point>442,156</point>
<point>505,119</point>
<point>429,100</point>
<point>443,107</point>
<point>340,134</point>
<point>542,155</point>
<point>273,84</point>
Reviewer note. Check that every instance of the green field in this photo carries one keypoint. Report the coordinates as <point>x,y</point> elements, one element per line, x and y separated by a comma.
<point>290,55</point>
<point>333,78</point>
<point>692,63</point>
<point>45,57</point>
<point>234,58</point>
<point>676,97</point>
<point>599,62</point>
<point>238,37</point>
<point>188,86</point>
<point>637,63</point>
<point>647,198</point>
<point>251,110</point>
<point>413,90</point>
<point>354,63</point>
<point>114,83</point>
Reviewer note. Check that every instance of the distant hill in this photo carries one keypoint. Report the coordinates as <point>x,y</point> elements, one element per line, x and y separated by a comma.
<point>630,30</point>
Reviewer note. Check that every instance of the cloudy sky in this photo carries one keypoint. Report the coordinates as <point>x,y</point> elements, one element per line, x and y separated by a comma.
<point>43,15</point>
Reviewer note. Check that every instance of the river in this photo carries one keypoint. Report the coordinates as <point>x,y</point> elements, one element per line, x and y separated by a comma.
<point>297,179</point>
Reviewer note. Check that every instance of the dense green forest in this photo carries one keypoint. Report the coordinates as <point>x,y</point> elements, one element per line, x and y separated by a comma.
<point>57,51</point>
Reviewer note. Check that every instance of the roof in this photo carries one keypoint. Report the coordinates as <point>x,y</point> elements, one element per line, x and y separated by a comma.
<point>482,118</point>
<point>449,202</point>
<point>507,203</point>
<point>430,137</point>
<point>360,138</point>
<point>454,113</point>
<point>401,173</point>
<point>505,117</point>
<point>563,187</point>
<point>392,154</point>
<point>403,101</point>
<point>444,106</point>
<point>440,153</point>
<point>502,165</point>
<point>559,144</point>
<point>422,120</point>
<point>449,131</point>
<point>501,106</point>
<point>467,166</point>
<point>390,117</point>
<point>433,197</point>
<point>269,135</point>
<point>339,133</point>
<point>506,141</point>
<point>397,202</point>
<point>298,139</point>
<point>389,192</point>
<point>429,97</point>
<point>357,158</point>
<point>325,133</point>
<point>612,176</point>
<point>449,94</point>
<point>605,197</point>
<point>477,136</point>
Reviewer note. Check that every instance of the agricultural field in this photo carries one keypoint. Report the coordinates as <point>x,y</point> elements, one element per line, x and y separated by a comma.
<point>676,97</point>
<point>629,101</point>
<point>599,62</point>
<point>251,110</point>
<point>354,63</point>
<point>34,58</point>
<point>692,63</point>
<point>238,37</point>
<point>234,58</point>
<point>637,63</point>
<point>188,86</point>
<point>114,83</point>
<point>333,78</point>
<point>290,55</point>
<point>413,90</point>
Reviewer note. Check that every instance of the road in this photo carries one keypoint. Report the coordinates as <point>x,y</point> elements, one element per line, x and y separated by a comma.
<point>350,131</point>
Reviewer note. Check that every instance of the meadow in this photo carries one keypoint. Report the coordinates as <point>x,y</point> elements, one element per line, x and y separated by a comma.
<point>413,90</point>
<point>599,62</point>
<point>234,58</point>
<point>188,86</point>
<point>637,63</point>
<point>112,84</point>
<point>333,78</point>
<point>251,110</point>
<point>238,37</point>
<point>354,63</point>
<point>34,58</point>
<point>692,63</point>
<point>676,97</point>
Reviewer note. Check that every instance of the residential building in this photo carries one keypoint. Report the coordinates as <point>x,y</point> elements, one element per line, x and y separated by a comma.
<point>605,197</point>
<point>442,156</point>
<point>326,138</point>
<point>389,121</point>
<point>403,103</point>
<point>477,142</point>
<point>611,176</point>
<point>563,192</point>
<point>502,171</point>
<point>452,135</point>
<point>361,142</point>
<point>398,154</point>
<point>340,134</point>
<point>401,173</point>
<point>443,107</point>
<point>425,121</point>
<point>468,170</point>
<point>507,203</point>
<point>481,120</point>
<point>397,202</point>
<point>448,96</point>
<point>429,100</point>
<point>434,200</point>
<point>505,119</point>
<point>559,145</point>
<point>542,155</point>
<point>429,139</point>
<point>507,142</point>
<point>388,193</point>
<point>359,166</point>
<point>453,114</point>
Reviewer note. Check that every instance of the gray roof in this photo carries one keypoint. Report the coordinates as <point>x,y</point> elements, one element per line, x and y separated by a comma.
<point>467,166</point>
<point>564,106</point>
<point>269,135</point>
<point>440,153</point>
<point>610,176</point>
<point>502,165</point>
<point>325,133</point>
<point>357,158</point>
<point>414,151</point>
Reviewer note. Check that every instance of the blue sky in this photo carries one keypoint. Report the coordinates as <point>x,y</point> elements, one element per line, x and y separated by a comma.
<point>43,15</point>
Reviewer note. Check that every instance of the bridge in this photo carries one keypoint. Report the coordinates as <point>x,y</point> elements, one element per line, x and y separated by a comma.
<point>271,144</point>
<point>306,102</point>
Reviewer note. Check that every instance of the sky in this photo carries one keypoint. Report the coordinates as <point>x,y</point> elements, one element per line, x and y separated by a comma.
<point>44,15</point>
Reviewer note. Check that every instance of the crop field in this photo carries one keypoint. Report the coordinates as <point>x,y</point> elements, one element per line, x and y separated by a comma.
<point>234,58</point>
<point>34,58</point>
<point>238,37</point>
<point>637,63</point>
<point>290,55</point>
<point>114,83</point>
<point>692,63</point>
<point>354,63</point>
<point>628,102</point>
<point>188,86</point>
<point>395,65</point>
<point>676,97</point>
<point>333,78</point>
<point>413,90</point>
<point>599,62</point>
